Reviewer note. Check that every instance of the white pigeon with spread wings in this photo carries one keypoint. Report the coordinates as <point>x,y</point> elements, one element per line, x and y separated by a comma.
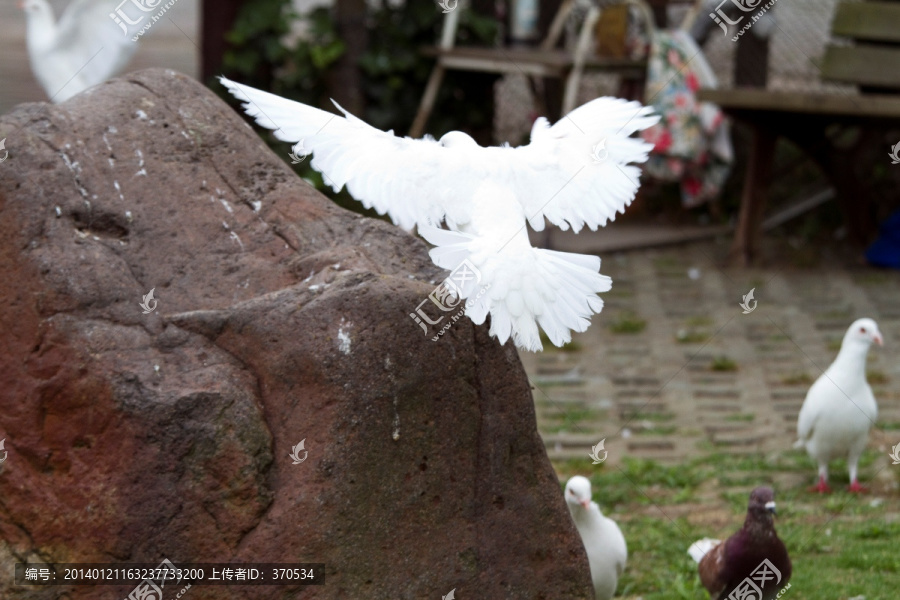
<point>603,540</point>
<point>83,49</point>
<point>486,196</point>
<point>840,409</point>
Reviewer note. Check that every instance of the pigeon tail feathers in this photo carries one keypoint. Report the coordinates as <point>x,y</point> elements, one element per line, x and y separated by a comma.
<point>524,288</point>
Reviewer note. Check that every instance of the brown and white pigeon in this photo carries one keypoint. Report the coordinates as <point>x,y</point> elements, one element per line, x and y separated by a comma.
<point>840,409</point>
<point>603,540</point>
<point>753,562</point>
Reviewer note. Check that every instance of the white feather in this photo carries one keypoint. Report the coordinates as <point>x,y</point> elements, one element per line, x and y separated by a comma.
<point>700,548</point>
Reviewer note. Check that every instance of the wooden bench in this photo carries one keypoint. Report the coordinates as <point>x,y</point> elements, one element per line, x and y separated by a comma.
<point>872,63</point>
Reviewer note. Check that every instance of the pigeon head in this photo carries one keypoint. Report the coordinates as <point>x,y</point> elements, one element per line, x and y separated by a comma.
<point>457,139</point>
<point>862,333</point>
<point>578,492</point>
<point>762,502</point>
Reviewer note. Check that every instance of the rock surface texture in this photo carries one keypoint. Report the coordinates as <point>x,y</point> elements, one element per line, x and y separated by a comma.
<point>281,317</point>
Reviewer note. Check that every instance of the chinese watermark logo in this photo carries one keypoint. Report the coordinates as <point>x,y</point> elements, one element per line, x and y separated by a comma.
<point>148,588</point>
<point>748,298</point>
<point>445,4</point>
<point>448,296</point>
<point>599,153</point>
<point>295,452</point>
<point>298,153</point>
<point>124,21</point>
<point>6,152</point>
<point>752,586</point>
<point>895,151</point>
<point>746,6</point>
<point>595,452</point>
<point>895,454</point>
<point>148,308</point>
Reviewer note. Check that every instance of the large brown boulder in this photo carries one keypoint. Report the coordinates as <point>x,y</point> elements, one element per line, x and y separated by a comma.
<point>135,437</point>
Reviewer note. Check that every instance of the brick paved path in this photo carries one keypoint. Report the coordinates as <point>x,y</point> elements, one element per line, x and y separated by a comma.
<point>653,395</point>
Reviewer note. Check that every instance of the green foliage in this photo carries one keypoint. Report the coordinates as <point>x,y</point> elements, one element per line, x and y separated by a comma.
<point>396,72</point>
<point>393,71</point>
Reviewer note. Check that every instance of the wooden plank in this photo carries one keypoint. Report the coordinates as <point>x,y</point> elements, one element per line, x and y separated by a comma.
<point>554,59</point>
<point>498,65</point>
<point>863,65</point>
<point>873,21</point>
<point>868,106</point>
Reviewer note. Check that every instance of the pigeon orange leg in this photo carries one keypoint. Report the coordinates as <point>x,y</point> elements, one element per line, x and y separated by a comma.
<point>855,488</point>
<point>822,486</point>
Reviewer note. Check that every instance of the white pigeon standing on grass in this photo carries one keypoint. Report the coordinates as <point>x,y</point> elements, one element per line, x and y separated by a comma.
<point>486,196</point>
<point>83,49</point>
<point>603,540</point>
<point>839,408</point>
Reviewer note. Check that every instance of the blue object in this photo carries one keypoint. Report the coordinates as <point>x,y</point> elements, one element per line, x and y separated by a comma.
<point>885,251</point>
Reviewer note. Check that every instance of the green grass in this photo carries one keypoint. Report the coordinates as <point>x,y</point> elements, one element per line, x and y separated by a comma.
<point>628,323</point>
<point>696,321</point>
<point>723,363</point>
<point>797,379</point>
<point>690,336</point>
<point>741,417</point>
<point>876,377</point>
<point>569,420</point>
<point>840,546</point>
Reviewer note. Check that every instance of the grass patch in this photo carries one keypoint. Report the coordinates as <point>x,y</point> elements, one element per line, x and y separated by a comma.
<point>699,322</point>
<point>571,419</point>
<point>723,363</point>
<point>629,323</point>
<point>876,377</point>
<point>741,418</point>
<point>797,379</point>
<point>690,336</point>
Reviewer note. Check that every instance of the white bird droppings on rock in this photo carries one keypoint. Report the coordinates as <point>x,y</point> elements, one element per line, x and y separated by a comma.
<point>343,339</point>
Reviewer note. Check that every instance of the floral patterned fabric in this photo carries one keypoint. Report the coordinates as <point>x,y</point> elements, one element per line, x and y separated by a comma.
<point>691,142</point>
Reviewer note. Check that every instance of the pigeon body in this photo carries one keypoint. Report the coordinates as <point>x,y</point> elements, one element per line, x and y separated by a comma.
<point>83,49</point>
<point>603,540</point>
<point>840,409</point>
<point>486,196</point>
<point>726,566</point>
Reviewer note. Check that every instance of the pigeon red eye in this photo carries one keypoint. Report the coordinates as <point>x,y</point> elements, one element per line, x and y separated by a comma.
<point>862,329</point>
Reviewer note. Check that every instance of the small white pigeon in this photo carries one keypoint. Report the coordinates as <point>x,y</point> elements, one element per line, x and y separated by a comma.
<point>486,196</point>
<point>839,408</point>
<point>83,49</point>
<point>603,540</point>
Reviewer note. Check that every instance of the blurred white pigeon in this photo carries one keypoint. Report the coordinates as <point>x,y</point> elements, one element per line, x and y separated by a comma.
<point>485,196</point>
<point>603,540</point>
<point>839,408</point>
<point>83,49</point>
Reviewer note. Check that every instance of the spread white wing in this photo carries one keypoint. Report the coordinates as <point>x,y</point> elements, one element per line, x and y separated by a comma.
<point>421,182</point>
